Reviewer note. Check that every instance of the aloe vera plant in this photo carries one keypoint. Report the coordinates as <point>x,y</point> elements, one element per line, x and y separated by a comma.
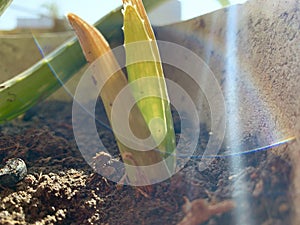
<point>141,117</point>
<point>42,79</point>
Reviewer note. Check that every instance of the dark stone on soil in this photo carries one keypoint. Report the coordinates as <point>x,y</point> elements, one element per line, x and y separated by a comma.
<point>14,171</point>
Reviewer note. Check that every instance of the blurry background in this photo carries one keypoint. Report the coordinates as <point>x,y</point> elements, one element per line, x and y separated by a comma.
<point>27,24</point>
<point>40,13</point>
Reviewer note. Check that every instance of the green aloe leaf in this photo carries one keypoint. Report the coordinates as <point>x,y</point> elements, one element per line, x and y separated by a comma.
<point>35,84</point>
<point>146,77</point>
<point>3,5</point>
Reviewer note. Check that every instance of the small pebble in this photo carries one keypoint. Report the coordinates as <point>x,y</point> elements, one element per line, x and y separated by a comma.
<point>13,171</point>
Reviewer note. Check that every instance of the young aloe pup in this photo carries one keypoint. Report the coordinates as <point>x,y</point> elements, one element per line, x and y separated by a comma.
<point>151,116</point>
<point>145,74</point>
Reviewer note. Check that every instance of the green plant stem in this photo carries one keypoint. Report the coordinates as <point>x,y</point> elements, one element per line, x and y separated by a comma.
<point>145,75</point>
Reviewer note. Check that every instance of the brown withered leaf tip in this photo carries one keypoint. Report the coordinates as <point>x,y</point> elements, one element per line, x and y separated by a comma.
<point>91,40</point>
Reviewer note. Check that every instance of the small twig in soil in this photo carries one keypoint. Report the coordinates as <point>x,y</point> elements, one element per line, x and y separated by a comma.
<point>199,210</point>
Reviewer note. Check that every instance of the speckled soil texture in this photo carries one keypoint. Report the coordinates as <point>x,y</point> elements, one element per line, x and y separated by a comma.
<point>61,188</point>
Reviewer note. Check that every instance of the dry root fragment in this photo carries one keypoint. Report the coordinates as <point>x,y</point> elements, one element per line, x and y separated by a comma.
<point>199,210</point>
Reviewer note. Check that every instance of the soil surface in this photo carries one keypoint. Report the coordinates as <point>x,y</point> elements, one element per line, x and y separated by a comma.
<point>61,188</point>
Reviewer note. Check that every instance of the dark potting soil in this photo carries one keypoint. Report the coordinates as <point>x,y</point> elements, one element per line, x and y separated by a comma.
<point>61,188</point>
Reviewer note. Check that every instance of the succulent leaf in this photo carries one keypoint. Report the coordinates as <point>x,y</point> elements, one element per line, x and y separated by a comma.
<point>145,74</point>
